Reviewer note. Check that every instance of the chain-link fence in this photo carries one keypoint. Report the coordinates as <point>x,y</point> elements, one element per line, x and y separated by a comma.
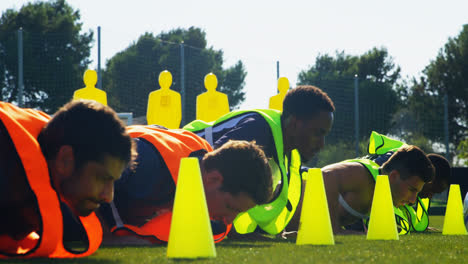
<point>33,78</point>
<point>361,106</point>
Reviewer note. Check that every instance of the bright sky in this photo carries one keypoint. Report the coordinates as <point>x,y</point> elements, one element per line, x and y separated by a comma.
<point>262,32</point>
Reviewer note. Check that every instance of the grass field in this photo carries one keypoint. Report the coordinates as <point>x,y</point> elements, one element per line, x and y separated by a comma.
<point>430,247</point>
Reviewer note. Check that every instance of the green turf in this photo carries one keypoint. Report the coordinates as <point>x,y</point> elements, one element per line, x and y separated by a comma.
<point>429,247</point>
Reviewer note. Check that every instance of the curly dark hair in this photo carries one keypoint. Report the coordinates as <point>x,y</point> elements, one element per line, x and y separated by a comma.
<point>443,172</point>
<point>410,160</point>
<point>244,167</point>
<point>92,129</point>
<point>305,101</point>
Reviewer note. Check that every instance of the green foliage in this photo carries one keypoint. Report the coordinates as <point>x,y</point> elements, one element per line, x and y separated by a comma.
<point>329,68</point>
<point>446,75</point>
<point>336,152</point>
<point>378,103</point>
<point>421,141</point>
<point>462,150</point>
<point>422,114</point>
<point>375,65</point>
<point>232,83</point>
<point>55,53</point>
<point>377,78</point>
<point>133,73</point>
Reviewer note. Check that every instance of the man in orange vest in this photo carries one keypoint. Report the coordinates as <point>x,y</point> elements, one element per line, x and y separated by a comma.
<point>235,176</point>
<point>55,171</point>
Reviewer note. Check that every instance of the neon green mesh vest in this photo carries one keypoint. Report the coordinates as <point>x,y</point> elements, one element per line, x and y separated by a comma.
<point>380,144</point>
<point>274,216</point>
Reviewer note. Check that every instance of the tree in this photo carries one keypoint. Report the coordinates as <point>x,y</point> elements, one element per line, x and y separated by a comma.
<point>133,73</point>
<point>448,75</point>
<point>378,100</point>
<point>463,152</point>
<point>233,84</point>
<point>337,152</point>
<point>55,53</point>
<point>423,113</point>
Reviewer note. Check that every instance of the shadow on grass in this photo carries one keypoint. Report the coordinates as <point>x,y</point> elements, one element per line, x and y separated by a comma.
<point>428,233</point>
<point>134,246</point>
<point>66,261</point>
<point>188,260</point>
<point>258,238</point>
<point>242,245</point>
<point>320,246</point>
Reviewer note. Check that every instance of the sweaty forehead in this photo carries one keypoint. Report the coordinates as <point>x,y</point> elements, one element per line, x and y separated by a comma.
<point>320,121</point>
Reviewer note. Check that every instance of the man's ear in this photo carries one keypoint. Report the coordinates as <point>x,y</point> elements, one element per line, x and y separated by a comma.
<point>393,176</point>
<point>65,161</point>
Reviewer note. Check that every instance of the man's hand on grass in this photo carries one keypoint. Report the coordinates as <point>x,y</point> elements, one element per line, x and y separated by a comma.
<point>433,229</point>
<point>289,234</point>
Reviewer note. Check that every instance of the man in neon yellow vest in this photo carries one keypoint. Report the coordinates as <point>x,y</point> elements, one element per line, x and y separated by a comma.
<point>350,184</point>
<point>287,138</point>
<point>380,149</point>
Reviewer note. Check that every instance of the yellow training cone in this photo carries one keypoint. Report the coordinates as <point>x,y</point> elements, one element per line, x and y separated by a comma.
<point>315,225</point>
<point>453,221</point>
<point>382,224</point>
<point>190,234</point>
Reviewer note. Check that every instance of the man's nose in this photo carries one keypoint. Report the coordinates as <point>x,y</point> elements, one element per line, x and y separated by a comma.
<point>413,198</point>
<point>107,194</point>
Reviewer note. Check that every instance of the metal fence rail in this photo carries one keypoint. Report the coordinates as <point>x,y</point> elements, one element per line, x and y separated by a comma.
<point>355,117</point>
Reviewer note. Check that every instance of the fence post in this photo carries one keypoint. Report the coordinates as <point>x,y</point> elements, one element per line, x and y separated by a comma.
<point>99,57</point>
<point>356,114</point>
<point>446,127</point>
<point>182,80</point>
<point>277,70</point>
<point>20,68</point>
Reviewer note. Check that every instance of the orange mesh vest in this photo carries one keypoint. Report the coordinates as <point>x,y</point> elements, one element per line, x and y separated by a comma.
<point>172,145</point>
<point>23,126</point>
